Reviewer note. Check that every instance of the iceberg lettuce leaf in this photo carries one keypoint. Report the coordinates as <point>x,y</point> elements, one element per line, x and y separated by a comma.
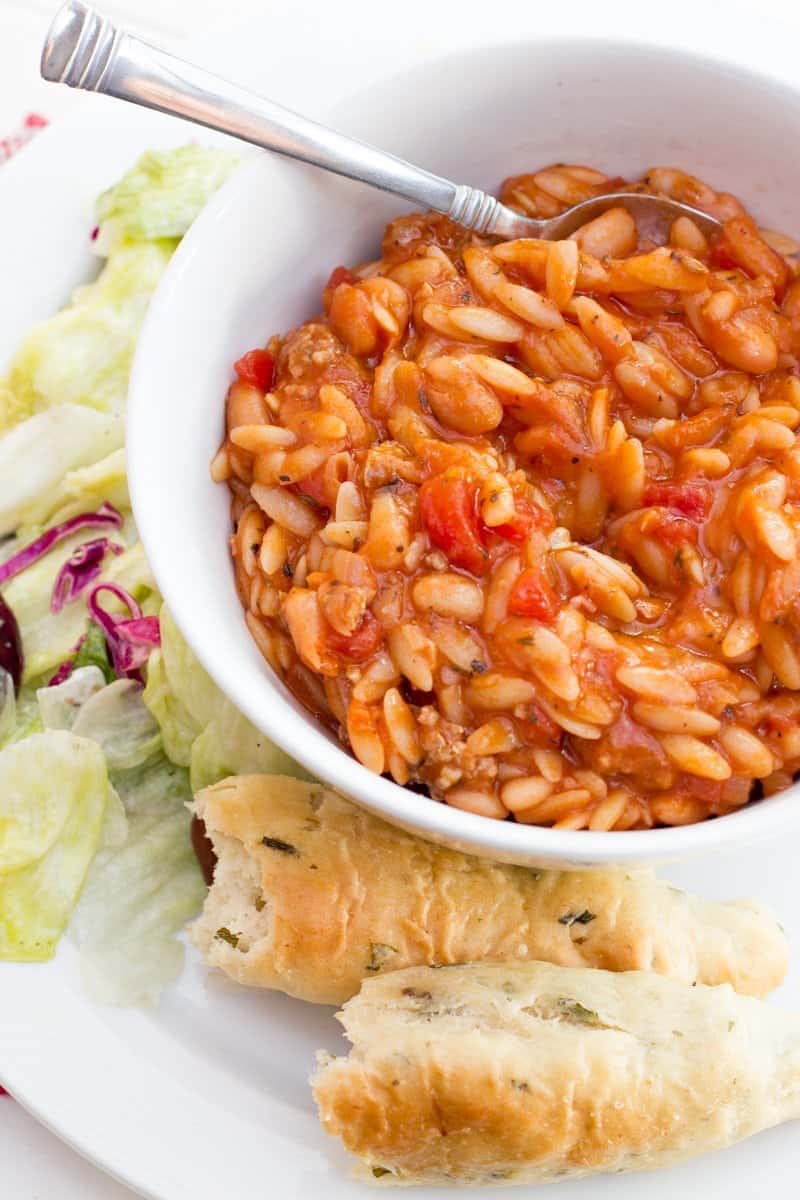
<point>200,727</point>
<point>231,745</point>
<point>60,705</point>
<point>83,354</point>
<point>84,490</point>
<point>54,789</point>
<point>190,683</point>
<point>162,194</point>
<point>178,727</point>
<point>27,717</point>
<point>35,455</point>
<point>140,894</point>
<point>116,718</point>
<point>8,706</point>
<point>144,882</point>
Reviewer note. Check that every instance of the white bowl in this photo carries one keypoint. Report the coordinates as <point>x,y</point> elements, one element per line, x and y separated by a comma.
<point>255,263</point>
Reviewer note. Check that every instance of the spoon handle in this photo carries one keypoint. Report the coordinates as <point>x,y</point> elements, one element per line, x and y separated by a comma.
<point>85,50</point>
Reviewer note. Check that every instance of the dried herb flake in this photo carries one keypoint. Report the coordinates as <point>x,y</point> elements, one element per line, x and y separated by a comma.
<point>567,1009</point>
<point>577,918</point>
<point>378,954</point>
<point>579,1013</point>
<point>225,935</point>
<point>277,844</point>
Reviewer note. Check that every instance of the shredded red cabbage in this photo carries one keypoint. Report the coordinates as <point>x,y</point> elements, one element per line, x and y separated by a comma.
<point>106,517</point>
<point>130,639</point>
<point>65,670</point>
<point>80,570</point>
<point>10,644</point>
<point>105,619</point>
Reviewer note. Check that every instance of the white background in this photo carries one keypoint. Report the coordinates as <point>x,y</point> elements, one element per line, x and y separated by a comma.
<point>34,1165</point>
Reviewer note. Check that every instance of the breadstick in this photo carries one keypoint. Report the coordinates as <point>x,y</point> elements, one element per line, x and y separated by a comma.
<point>529,1072</point>
<point>313,894</point>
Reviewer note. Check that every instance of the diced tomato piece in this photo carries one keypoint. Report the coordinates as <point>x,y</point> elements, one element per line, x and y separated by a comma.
<point>629,748</point>
<point>313,487</point>
<point>532,596</point>
<point>673,531</point>
<point>340,275</point>
<point>721,256</point>
<point>538,729</point>
<point>362,643</point>
<point>692,500</point>
<point>256,367</point>
<point>778,722</point>
<point>362,395</point>
<point>344,374</point>
<point>704,789</point>
<point>709,791</point>
<point>449,510</point>
<point>527,516</point>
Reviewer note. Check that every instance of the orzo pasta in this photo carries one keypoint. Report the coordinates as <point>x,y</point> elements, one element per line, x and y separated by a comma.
<point>520,520</point>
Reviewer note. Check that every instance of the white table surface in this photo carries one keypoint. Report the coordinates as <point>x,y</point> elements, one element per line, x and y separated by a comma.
<point>35,1165</point>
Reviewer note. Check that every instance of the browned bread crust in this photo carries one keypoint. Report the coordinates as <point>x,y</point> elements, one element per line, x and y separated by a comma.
<point>313,894</point>
<point>528,1073</point>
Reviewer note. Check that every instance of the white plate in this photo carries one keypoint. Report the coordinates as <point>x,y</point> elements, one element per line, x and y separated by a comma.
<point>208,1096</point>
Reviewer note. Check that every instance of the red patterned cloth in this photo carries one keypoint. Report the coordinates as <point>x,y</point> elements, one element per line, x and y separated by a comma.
<point>15,141</point>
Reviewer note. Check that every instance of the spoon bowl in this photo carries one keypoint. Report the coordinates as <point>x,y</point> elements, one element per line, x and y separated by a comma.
<point>653,215</point>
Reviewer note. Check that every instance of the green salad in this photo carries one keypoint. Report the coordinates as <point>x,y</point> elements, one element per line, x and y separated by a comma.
<point>107,721</point>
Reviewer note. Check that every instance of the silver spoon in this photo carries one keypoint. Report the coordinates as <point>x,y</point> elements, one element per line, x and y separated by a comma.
<point>85,50</point>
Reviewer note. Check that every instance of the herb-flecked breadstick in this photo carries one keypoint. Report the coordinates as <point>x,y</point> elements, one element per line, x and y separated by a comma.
<point>313,894</point>
<point>531,1072</point>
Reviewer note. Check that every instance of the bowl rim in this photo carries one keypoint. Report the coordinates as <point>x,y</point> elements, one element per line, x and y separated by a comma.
<point>502,840</point>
